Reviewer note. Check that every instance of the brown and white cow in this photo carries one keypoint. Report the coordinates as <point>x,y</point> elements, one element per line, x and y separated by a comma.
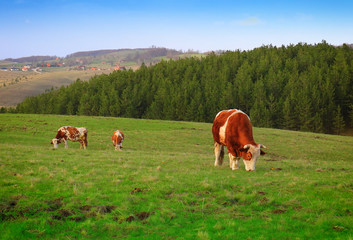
<point>232,128</point>
<point>118,138</point>
<point>74,134</point>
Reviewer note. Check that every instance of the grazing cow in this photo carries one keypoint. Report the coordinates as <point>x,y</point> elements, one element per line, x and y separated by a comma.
<point>232,128</point>
<point>74,134</point>
<point>118,138</point>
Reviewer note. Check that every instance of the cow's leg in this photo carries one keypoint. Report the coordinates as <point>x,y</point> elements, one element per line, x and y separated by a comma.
<point>66,145</point>
<point>233,162</point>
<point>219,153</point>
<point>83,144</point>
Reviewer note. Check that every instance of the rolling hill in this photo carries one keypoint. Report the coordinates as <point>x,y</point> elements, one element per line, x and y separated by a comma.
<point>45,72</point>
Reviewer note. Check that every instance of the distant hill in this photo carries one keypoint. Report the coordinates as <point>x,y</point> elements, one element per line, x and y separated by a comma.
<point>149,52</point>
<point>30,59</point>
<point>18,82</point>
<point>129,58</point>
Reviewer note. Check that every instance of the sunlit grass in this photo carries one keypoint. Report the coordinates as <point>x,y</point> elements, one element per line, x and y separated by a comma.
<point>164,185</point>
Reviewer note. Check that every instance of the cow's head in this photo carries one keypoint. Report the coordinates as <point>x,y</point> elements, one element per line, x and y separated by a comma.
<point>55,142</point>
<point>250,153</point>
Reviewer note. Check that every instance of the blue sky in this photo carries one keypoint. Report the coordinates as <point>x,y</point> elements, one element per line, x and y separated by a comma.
<point>61,27</point>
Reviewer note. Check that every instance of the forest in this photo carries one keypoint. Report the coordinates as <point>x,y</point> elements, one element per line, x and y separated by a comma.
<point>298,87</point>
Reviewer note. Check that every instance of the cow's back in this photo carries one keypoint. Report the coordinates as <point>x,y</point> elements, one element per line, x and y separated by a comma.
<point>239,130</point>
<point>219,122</point>
<point>76,133</point>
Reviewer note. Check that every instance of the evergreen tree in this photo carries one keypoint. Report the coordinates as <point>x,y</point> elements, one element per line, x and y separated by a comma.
<point>338,121</point>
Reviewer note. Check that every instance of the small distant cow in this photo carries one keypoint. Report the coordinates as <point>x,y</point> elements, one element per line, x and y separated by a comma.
<point>118,138</point>
<point>232,128</point>
<point>74,134</point>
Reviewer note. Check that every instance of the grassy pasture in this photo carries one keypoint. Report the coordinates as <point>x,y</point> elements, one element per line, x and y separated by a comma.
<point>163,185</point>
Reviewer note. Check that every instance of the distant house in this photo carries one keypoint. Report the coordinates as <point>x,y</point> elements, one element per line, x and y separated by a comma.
<point>14,69</point>
<point>119,68</point>
<point>4,69</point>
<point>81,67</point>
<point>26,68</point>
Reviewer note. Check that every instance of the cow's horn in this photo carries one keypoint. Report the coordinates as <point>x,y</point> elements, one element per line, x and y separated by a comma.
<point>247,146</point>
<point>262,146</point>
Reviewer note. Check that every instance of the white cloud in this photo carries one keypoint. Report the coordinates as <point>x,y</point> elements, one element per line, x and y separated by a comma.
<point>250,21</point>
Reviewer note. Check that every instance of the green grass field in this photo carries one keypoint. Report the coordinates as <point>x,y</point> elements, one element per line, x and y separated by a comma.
<point>163,185</point>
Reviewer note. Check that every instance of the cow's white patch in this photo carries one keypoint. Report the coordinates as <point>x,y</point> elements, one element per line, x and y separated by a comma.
<point>225,111</point>
<point>121,136</point>
<point>118,145</point>
<point>255,152</point>
<point>81,130</point>
<point>222,132</point>
<point>219,153</point>
<point>233,162</point>
<point>55,142</point>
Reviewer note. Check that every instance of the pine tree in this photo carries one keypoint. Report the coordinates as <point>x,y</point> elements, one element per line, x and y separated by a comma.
<point>338,121</point>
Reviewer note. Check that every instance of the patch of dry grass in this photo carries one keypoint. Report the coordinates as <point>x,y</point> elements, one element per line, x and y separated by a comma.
<point>19,85</point>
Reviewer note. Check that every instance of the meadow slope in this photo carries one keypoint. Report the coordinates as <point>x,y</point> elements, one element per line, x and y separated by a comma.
<point>163,185</point>
<point>16,86</point>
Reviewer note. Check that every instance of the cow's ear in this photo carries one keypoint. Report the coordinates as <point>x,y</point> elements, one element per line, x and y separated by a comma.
<point>262,152</point>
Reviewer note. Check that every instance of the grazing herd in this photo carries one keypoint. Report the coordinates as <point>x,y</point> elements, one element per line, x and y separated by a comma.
<point>79,134</point>
<point>231,128</point>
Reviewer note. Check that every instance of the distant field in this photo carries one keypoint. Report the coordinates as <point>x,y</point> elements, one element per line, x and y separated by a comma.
<point>163,185</point>
<point>16,86</point>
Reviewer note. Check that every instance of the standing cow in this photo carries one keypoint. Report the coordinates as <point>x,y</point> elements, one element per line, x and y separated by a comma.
<point>118,138</point>
<point>232,128</point>
<point>74,134</point>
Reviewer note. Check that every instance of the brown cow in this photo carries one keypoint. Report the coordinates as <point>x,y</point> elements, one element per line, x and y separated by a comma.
<point>118,138</point>
<point>232,128</point>
<point>74,134</point>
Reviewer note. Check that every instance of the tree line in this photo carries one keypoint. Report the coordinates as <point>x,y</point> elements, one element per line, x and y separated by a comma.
<point>297,87</point>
